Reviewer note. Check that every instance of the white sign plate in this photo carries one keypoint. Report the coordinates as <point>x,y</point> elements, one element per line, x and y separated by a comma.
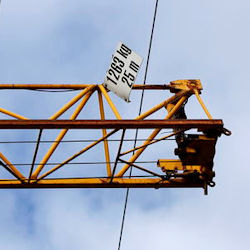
<point>122,72</point>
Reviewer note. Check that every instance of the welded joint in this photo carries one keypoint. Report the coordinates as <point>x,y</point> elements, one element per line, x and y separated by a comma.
<point>191,84</point>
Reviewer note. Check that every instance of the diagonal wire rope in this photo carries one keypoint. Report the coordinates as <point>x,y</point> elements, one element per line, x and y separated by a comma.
<point>76,141</point>
<point>140,109</point>
<point>35,153</point>
<point>53,91</point>
<point>76,163</point>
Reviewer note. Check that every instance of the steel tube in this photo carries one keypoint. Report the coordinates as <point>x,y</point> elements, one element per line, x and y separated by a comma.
<point>103,183</point>
<point>7,112</point>
<point>76,86</point>
<point>77,154</point>
<point>174,98</point>
<point>60,136</point>
<point>12,167</point>
<point>72,102</point>
<point>111,104</point>
<point>110,124</point>
<point>104,133</point>
<point>202,104</point>
<point>151,137</point>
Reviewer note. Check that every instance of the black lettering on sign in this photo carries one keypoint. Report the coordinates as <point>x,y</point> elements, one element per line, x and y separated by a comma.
<point>125,80</point>
<point>124,51</point>
<point>117,60</point>
<point>112,73</point>
<point>116,68</point>
<point>134,66</point>
<point>108,78</point>
<point>128,78</point>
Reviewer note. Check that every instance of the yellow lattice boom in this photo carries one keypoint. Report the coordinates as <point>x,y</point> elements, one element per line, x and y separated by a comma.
<point>195,152</point>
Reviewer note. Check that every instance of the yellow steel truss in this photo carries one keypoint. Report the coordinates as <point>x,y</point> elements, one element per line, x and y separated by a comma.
<point>182,90</point>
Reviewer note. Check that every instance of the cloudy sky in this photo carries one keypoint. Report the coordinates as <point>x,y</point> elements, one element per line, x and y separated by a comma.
<point>59,41</point>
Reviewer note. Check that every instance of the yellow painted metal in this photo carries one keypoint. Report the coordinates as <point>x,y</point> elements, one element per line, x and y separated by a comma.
<point>72,102</point>
<point>177,165</point>
<point>182,89</point>
<point>151,137</point>
<point>12,167</point>
<point>176,96</point>
<point>97,181</point>
<point>169,106</point>
<point>78,154</point>
<point>44,86</point>
<point>104,133</point>
<point>186,84</point>
<point>77,86</point>
<point>101,183</point>
<point>162,104</point>
<point>7,112</point>
<point>111,104</point>
<point>190,150</point>
<point>202,104</point>
<point>60,136</point>
<point>152,142</point>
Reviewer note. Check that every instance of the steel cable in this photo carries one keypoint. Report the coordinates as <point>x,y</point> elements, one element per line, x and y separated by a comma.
<point>54,91</point>
<point>136,133</point>
<point>76,163</point>
<point>77,141</point>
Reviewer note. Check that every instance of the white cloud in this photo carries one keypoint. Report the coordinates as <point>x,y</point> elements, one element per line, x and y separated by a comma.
<point>72,41</point>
